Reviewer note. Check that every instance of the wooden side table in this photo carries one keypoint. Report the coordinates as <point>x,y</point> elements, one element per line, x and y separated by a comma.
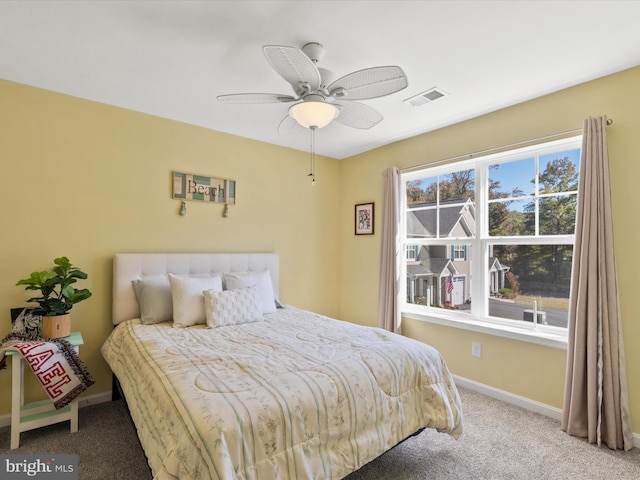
<point>37,414</point>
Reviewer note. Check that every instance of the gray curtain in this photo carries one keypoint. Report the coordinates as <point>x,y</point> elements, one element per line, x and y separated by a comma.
<point>390,249</point>
<point>596,404</point>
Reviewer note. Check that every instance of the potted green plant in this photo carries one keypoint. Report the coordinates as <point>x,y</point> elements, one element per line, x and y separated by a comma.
<point>57,296</point>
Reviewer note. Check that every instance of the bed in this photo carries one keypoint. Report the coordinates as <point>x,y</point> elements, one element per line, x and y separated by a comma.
<point>260,390</point>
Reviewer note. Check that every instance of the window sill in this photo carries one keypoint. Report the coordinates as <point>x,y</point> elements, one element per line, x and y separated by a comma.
<point>538,337</point>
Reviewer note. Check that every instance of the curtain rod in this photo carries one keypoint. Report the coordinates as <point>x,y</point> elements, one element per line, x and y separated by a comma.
<point>473,154</point>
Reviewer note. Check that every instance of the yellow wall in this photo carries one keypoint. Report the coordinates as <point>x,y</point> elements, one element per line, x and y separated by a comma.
<point>524,369</point>
<point>87,180</point>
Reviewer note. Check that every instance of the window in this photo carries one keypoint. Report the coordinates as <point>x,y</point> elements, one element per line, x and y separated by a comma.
<point>411,252</point>
<point>490,240</point>
<point>459,252</point>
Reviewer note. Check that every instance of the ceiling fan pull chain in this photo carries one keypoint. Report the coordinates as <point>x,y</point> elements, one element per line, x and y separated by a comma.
<point>312,159</point>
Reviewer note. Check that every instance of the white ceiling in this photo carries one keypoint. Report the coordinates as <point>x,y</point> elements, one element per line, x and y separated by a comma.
<point>172,58</point>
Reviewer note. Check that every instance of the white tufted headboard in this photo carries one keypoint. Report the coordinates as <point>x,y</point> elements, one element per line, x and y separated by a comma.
<point>132,266</point>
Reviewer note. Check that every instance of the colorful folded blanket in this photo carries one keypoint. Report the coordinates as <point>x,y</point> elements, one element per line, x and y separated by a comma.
<point>54,362</point>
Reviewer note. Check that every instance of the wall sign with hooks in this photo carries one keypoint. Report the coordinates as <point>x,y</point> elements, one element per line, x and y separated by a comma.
<point>187,186</point>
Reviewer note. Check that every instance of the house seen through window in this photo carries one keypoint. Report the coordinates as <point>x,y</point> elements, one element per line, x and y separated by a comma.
<point>491,239</point>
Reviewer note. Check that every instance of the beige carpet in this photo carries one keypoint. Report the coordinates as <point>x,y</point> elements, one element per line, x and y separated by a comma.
<point>500,442</point>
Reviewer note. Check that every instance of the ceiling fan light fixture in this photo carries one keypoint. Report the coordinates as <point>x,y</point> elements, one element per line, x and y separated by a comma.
<point>311,113</point>
<point>318,90</point>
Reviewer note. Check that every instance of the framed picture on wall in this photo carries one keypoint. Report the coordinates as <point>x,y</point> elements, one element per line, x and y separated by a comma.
<point>364,218</point>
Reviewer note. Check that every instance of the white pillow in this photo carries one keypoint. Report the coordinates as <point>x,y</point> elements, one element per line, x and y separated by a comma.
<point>232,307</point>
<point>188,301</point>
<point>261,279</point>
<point>154,297</point>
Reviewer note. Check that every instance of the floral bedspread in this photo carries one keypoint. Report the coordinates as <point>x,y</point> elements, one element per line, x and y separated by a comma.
<point>297,395</point>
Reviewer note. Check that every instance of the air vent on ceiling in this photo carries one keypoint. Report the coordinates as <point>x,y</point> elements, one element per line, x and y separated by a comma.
<point>427,96</point>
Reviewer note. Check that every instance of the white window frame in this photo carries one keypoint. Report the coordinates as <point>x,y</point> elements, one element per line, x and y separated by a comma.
<point>478,319</point>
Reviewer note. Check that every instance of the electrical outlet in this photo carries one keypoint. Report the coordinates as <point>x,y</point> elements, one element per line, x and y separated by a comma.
<point>476,349</point>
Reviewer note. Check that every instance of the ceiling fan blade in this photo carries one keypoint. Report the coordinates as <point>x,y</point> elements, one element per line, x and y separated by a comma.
<point>294,66</point>
<point>357,115</point>
<point>248,98</point>
<point>288,126</point>
<point>369,83</point>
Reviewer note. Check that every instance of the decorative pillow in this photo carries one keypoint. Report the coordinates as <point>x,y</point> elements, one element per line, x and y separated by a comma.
<point>261,279</point>
<point>188,301</point>
<point>232,307</point>
<point>154,297</point>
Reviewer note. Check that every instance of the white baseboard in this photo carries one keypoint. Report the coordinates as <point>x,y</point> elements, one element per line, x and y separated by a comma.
<point>5,420</point>
<point>94,399</point>
<point>511,398</point>
<point>517,400</point>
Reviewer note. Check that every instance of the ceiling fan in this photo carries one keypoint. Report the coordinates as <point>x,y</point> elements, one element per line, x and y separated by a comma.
<point>318,98</point>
